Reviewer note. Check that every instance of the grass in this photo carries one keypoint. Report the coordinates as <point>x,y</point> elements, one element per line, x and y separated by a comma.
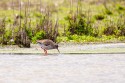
<point>96,12</point>
<point>90,39</point>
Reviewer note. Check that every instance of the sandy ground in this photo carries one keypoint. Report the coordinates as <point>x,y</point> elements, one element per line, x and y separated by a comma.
<point>63,68</point>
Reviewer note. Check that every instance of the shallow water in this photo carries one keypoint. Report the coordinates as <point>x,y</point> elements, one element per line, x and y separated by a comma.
<point>62,68</point>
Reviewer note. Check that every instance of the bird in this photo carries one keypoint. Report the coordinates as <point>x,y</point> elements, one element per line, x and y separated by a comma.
<point>47,44</point>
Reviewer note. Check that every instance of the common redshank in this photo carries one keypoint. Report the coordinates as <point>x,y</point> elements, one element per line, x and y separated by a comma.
<point>47,44</point>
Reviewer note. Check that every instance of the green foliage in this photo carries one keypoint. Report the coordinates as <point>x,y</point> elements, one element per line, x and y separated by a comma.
<point>82,24</point>
<point>121,38</point>
<point>7,36</point>
<point>121,27</point>
<point>37,14</point>
<point>39,35</point>
<point>108,12</point>
<point>99,17</point>
<point>78,24</point>
<point>77,38</point>
<point>62,39</point>
<point>5,39</point>
<point>29,33</point>
<point>95,32</point>
<point>9,20</point>
<point>90,39</point>
<point>121,7</point>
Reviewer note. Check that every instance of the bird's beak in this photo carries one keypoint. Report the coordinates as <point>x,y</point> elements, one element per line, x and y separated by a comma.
<point>58,50</point>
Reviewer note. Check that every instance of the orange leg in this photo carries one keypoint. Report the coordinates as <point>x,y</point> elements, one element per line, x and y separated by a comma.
<point>45,52</point>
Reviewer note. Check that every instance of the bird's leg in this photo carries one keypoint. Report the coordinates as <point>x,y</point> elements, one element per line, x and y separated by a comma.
<point>45,51</point>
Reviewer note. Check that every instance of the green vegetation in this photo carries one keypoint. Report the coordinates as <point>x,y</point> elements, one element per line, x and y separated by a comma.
<point>61,21</point>
<point>90,39</point>
<point>38,36</point>
<point>99,17</point>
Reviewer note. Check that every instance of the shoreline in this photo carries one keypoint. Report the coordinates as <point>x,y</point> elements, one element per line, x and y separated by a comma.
<point>66,48</point>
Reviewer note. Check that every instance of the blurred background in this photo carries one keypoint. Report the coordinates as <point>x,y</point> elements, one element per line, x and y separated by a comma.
<point>22,22</point>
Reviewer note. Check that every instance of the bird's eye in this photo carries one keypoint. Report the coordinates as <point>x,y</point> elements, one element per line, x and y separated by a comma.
<point>46,45</point>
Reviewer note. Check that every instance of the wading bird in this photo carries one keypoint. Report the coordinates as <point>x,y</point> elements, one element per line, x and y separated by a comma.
<point>47,44</point>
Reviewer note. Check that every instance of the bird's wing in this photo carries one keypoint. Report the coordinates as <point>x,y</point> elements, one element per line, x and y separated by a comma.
<point>46,42</point>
